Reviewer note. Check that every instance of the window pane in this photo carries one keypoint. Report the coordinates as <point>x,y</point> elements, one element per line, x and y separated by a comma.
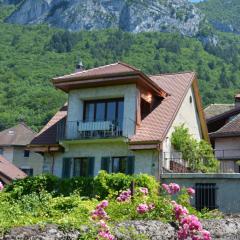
<point>84,167</point>
<point>120,113</point>
<point>77,166</point>
<point>111,111</point>
<point>115,167</point>
<point>100,111</point>
<point>123,165</point>
<point>89,117</point>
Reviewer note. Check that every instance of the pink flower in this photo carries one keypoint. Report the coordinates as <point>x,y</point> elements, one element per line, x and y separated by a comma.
<point>190,191</point>
<point>142,208</point>
<point>106,235</point>
<point>144,190</point>
<point>1,186</point>
<point>179,211</point>
<point>192,222</point>
<point>206,235</point>
<point>103,204</point>
<point>151,206</point>
<point>124,196</point>
<point>172,188</point>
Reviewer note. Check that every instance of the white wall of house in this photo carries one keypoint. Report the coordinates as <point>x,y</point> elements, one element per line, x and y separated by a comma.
<point>34,161</point>
<point>227,150</point>
<point>188,115</point>
<point>77,98</point>
<point>145,160</point>
<point>8,153</point>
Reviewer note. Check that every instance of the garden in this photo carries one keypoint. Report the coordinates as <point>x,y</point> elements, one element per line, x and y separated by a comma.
<point>99,203</point>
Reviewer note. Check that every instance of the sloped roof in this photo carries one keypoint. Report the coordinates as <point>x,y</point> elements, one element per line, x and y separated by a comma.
<point>155,126</point>
<point>232,128</point>
<point>116,73</point>
<point>216,109</point>
<point>9,170</point>
<point>48,134</point>
<point>19,135</point>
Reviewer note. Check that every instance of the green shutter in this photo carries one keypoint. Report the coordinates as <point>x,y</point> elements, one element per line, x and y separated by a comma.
<point>130,165</point>
<point>105,164</point>
<point>66,167</point>
<point>91,166</point>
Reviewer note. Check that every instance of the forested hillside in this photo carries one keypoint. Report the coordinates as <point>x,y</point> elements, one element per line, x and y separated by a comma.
<point>223,14</point>
<point>31,55</point>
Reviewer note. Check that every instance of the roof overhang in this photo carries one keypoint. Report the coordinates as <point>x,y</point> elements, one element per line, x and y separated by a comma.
<point>45,148</point>
<point>138,78</point>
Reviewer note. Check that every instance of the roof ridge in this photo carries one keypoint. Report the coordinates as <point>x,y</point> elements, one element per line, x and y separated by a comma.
<point>127,65</point>
<point>176,73</point>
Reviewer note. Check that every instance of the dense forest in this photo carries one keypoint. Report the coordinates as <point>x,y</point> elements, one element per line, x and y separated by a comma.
<point>31,55</point>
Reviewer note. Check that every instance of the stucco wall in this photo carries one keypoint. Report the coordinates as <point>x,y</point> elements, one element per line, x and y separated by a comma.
<point>188,115</point>
<point>227,193</point>
<point>145,160</point>
<point>77,98</point>
<point>8,153</point>
<point>34,161</point>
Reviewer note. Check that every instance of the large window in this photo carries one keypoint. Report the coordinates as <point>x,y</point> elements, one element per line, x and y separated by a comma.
<point>104,110</point>
<point>118,164</point>
<point>83,167</point>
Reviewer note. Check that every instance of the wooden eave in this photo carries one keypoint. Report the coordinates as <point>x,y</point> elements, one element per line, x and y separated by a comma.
<point>76,82</point>
<point>45,148</point>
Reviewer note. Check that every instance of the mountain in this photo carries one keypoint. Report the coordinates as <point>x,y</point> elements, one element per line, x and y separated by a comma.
<point>31,54</point>
<point>128,15</point>
<point>222,14</point>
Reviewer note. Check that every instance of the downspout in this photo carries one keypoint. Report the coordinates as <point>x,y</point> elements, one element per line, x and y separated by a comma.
<point>53,160</point>
<point>160,163</point>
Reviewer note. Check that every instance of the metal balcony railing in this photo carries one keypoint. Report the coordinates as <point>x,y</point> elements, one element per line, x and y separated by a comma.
<point>71,130</point>
<point>231,154</point>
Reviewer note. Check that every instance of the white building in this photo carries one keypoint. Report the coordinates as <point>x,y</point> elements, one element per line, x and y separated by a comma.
<point>120,120</point>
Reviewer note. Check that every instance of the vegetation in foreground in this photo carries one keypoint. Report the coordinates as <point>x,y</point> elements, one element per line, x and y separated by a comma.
<point>35,201</point>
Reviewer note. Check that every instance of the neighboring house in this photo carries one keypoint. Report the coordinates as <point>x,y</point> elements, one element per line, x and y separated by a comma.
<point>13,147</point>
<point>119,119</point>
<point>9,172</point>
<point>224,132</point>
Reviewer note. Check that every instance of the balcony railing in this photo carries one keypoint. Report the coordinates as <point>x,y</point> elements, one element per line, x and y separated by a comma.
<point>228,154</point>
<point>89,130</point>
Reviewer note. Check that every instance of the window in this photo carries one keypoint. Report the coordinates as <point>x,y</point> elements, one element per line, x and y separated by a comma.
<point>83,167</point>
<point>205,196</point>
<point>118,164</point>
<point>26,153</point>
<point>104,110</point>
<point>1,151</point>
<point>28,171</point>
<point>66,167</point>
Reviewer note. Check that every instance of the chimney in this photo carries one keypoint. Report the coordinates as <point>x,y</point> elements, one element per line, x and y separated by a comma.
<point>80,67</point>
<point>237,100</point>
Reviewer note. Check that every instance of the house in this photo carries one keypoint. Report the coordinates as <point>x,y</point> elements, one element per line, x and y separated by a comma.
<point>9,172</point>
<point>13,147</point>
<point>224,132</point>
<point>119,119</point>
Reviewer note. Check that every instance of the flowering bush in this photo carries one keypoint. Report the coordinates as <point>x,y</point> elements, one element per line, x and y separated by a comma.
<point>172,188</point>
<point>1,186</point>
<point>190,191</point>
<point>125,196</point>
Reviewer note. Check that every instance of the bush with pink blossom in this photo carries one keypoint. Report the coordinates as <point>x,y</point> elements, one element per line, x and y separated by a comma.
<point>1,186</point>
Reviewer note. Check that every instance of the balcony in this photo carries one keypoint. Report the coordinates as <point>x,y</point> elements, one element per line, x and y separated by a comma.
<point>78,130</point>
<point>227,154</point>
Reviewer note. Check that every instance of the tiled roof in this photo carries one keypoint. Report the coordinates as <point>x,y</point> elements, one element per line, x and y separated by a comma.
<point>232,128</point>
<point>115,68</point>
<point>48,135</point>
<point>215,109</point>
<point>155,126</point>
<point>9,170</point>
<point>20,135</point>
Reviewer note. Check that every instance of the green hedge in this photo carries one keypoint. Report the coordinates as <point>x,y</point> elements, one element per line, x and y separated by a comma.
<point>101,186</point>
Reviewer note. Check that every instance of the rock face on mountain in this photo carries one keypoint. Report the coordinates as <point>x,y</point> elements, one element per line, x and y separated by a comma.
<point>128,15</point>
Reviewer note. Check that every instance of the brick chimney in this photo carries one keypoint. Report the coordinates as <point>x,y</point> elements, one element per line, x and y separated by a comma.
<point>237,100</point>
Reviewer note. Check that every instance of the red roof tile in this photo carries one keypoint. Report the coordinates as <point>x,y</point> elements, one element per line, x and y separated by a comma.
<point>232,128</point>
<point>48,135</point>
<point>155,126</point>
<point>9,170</point>
<point>20,135</point>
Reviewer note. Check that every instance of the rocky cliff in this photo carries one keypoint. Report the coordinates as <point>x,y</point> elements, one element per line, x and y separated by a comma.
<point>128,15</point>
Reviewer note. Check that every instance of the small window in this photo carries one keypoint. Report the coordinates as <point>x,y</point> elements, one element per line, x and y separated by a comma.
<point>119,164</point>
<point>26,153</point>
<point>28,171</point>
<point>205,196</point>
<point>1,151</point>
